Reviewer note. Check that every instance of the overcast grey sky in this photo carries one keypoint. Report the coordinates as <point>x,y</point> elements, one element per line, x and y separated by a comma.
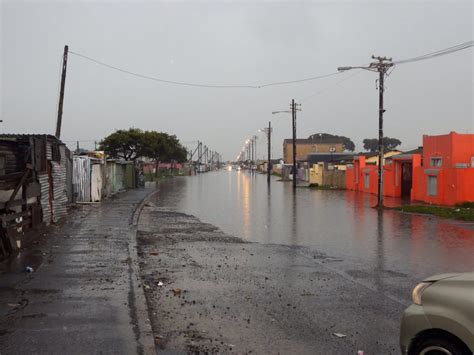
<point>235,43</point>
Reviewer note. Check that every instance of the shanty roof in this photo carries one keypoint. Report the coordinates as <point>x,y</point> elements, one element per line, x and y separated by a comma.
<point>22,136</point>
<point>418,150</point>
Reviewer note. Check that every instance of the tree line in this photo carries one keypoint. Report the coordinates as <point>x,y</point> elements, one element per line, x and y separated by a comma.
<point>370,144</point>
<point>135,143</point>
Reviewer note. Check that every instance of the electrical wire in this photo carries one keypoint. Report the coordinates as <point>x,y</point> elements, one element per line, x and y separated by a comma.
<point>256,86</point>
<point>337,83</point>
<point>438,53</point>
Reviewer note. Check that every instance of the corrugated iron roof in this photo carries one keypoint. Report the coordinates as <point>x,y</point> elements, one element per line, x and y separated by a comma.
<point>26,136</point>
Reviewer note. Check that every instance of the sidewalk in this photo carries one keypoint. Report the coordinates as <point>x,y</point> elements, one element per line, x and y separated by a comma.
<point>85,295</point>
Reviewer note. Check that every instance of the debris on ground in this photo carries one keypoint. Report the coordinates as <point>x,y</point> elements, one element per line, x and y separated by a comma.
<point>339,335</point>
<point>154,253</point>
<point>176,291</point>
<point>29,269</point>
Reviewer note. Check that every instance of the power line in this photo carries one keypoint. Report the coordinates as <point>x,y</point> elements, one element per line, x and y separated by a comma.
<point>331,86</point>
<point>256,86</point>
<point>438,53</point>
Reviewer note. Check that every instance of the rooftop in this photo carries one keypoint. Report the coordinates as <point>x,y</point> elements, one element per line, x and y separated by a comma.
<point>312,141</point>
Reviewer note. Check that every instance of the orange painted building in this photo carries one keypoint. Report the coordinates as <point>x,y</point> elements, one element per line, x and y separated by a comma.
<point>446,176</point>
<point>441,173</point>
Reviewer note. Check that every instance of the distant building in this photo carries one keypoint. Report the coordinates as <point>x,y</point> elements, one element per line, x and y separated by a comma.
<point>308,146</point>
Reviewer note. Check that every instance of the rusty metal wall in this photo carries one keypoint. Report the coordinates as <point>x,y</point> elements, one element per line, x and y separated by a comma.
<point>81,178</point>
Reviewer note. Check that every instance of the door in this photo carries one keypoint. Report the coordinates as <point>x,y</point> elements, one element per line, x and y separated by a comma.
<point>96,183</point>
<point>406,179</point>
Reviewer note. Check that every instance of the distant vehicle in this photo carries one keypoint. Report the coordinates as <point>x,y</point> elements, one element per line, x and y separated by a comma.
<point>441,318</point>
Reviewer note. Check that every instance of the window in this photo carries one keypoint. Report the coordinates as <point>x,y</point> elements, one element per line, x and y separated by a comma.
<point>432,185</point>
<point>2,165</point>
<point>366,180</point>
<point>436,161</point>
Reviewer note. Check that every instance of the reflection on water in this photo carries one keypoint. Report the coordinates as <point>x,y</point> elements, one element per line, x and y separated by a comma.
<point>340,224</point>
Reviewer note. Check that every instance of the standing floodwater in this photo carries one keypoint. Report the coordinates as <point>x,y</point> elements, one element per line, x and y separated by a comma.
<point>361,242</point>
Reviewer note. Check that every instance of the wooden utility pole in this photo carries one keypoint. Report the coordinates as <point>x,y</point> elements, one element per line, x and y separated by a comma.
<point>255,148</point>
<point>269,140</point>
<point>61,93</point>
<point>382,69</point>
<point>293,113</point>
<point>381,66</point>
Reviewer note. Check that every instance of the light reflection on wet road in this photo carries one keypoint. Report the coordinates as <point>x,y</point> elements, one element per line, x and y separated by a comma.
<point>387,251</point>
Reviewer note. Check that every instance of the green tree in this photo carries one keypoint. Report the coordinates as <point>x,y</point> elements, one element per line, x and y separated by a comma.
<point>347,143</point>
<point>372,144</point>
<point>134,143</point>
<point>124,144</point>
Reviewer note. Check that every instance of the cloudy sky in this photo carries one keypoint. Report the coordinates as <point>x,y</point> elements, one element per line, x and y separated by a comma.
<point>235,43</point>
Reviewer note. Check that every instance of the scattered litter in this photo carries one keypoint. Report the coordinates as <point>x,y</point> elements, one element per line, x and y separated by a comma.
<point>146,287</point>
<point>44,254</point>
<point>29,269</point>
<point>176,291</point>
<point>360,352</point>
<point>160,283</point>
<point>339,335</point>
<point>13,305</point>
<point>153,253</point>
<point>273,320</point>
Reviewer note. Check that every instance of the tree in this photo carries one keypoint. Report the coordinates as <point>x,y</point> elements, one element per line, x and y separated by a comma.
<point>124,144</point>
<point>347,143</point>
<point>134,143</point>
<point>161,146</point>
<point>372,144</point>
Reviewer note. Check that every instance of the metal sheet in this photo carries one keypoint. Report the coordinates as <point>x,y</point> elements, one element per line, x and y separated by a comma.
<point>81,178</point>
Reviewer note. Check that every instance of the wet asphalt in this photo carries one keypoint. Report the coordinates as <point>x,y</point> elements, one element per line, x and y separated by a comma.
<point>211,292</point>
<point>85,295</point>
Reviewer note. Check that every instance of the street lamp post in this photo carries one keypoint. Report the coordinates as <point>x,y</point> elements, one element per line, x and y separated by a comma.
<point>381,66</point>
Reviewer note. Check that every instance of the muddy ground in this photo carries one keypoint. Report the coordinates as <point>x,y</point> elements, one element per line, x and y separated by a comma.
<point>210,292</point>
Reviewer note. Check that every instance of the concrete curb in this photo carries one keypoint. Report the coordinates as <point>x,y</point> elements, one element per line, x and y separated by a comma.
<point>139,308</point>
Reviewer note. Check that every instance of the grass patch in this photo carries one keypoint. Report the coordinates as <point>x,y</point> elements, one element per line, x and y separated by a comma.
<point>458,212</point>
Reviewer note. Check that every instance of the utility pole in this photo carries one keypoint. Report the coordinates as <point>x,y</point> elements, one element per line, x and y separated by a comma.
<point>269,141</point>
<point>61,93</point>
<point>294,108</point>
<point>381,65</point>
<point>255,148</point>
<point>251,153</point>
<point>382,71</point>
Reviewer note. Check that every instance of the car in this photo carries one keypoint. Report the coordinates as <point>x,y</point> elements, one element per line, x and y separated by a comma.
<point>441,318</point>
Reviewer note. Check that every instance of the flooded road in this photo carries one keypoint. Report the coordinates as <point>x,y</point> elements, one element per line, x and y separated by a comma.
<point>389,252</point>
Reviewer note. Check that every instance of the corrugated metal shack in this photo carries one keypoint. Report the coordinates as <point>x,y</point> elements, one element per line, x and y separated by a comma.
<point>35,185</point>
<point>88,178</point>
<point>120,175</point>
